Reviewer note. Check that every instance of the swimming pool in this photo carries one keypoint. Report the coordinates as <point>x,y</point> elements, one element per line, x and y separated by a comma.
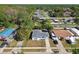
<point>7,32</point>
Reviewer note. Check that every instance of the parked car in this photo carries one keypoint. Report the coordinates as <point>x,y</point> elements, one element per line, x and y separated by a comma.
<point>54,38</point>
<point>68,41</point>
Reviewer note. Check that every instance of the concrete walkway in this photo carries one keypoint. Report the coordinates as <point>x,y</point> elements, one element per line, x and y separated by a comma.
<point>61,48</point>
<point>48,46</point>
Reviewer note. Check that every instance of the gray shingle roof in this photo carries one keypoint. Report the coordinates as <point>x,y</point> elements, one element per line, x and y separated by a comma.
<point>39,34</point>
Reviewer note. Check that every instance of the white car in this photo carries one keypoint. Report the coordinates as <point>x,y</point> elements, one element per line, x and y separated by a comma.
<point>54,38</point>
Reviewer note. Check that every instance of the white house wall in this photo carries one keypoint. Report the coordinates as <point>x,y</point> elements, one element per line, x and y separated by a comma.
<point>39,38</point>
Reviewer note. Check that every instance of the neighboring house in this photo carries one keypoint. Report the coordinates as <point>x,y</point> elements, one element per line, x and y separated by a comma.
<point>39,35</point>
<point>74,31</point>
<point>73,39</point>
<point>76,35</point>
<point>69,19</point>
<point>6,36</point>
<point>40,15</point>
<point>7,33</point>
<point>67,13</point>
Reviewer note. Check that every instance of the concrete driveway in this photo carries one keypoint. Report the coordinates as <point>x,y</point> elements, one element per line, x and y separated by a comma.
<point>61,48</point>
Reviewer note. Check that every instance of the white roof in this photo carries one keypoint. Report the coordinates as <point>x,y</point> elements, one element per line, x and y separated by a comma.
<point>75,30</point>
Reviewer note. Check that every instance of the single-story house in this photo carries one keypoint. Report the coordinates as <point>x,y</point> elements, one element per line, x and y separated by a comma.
<point>39,35</point>
<point>6,36</point>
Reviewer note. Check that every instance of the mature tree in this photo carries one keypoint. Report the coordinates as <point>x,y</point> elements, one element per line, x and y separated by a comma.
<point>26,26</point>
<point>46,24</point>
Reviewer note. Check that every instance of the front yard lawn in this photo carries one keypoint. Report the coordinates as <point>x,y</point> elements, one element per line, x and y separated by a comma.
<point>69,45</point>
<point>24,43</point>
<point>1,42</point>
<point>65,44</point>
<point>34,43</point>
<point>52,43</point>
<point>77,43</point>
<point>12,44</point>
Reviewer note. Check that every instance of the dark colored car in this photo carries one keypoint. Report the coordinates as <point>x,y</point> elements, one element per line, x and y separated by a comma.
<point>68,41</point>
<point>55,42</point>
